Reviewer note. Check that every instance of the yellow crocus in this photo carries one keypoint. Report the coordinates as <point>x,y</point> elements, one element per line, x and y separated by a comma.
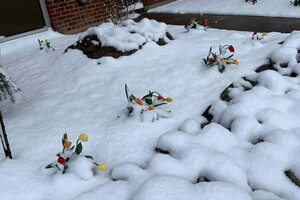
<point>223,61</point>
<point>201,14</point>
<point>169,99</point>
<point>102,167</point>
<point>236,62</point>
<point>84,137</point>
<point>264,34</point>
<point>46,42</point>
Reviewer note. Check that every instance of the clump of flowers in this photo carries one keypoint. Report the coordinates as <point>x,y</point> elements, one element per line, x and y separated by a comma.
<point>69,152</point>
<point>253,1</point>
<point>296,2</point>
<point>256,36</point>
<point>152,103</point>
<point>196,22</point>
<point>45,45</point>
<point>224,58</point>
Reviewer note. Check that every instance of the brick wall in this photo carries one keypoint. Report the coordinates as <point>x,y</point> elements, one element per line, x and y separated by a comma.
<point>67,16</point>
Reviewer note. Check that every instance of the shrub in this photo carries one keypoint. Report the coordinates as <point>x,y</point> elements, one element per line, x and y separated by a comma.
<point>120,10</point>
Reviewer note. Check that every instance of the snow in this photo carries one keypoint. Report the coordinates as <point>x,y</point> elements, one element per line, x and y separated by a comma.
<point>68,92</point>
<point>130,35</point>
<point>274,8</point>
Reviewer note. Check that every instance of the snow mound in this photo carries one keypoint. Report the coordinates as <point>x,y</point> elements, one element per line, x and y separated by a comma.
<point>129,36</point>
<point>286,59</point>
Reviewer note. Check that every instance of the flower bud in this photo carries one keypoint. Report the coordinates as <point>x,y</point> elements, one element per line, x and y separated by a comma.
<point>84,137</point>
<point>102,167</point>
<point>67,144</point>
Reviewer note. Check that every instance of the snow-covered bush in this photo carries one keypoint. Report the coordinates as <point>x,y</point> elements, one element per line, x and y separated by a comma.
<point>222,59</point>
<point>7,86</point>
<point>70,157</point>
<point>296,2</point>
<point>152,106</point>
<point>197,22</point>
<point>256,36</point>
<point>253,1</point>
<point>120,10</point>
<point>45,45</point>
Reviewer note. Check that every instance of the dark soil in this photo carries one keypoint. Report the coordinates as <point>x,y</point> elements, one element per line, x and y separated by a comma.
<point>97,51</point>
<point>225,94</point>
<point>158,150</point>
<point>88,47</point>
<point>208,116</point>
<point>292,177</point>
<point>265,67</point>
<point>257,141</point>
<point>202,179</point>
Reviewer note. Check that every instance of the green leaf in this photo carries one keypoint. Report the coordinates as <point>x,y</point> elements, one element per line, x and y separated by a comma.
<point>64,138</point>
<point>222,68</point>
<point>146,96</point>
<point>159,104</point>
<point>205,61</point>
<point>229,57</point>
<point>149,101</point>
<point>78,149</point>
<point>127,92</point>
<point>50,166</point>
<point>89,157</point>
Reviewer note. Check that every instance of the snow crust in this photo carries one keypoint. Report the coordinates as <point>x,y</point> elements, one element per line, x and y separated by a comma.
<point>274,8</point>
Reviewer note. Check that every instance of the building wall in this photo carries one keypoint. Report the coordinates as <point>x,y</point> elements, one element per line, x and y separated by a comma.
<point>67,16</point>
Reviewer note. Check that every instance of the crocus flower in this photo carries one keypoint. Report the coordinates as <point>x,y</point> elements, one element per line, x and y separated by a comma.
<point>223,61</point>
<point>102,167</point>
<point>231,49</point>
<point>138,101</point>
<point>67,144</point>
<point>236,62</point>
<point>61,160</point>
<point>193,19</point>
<point>215,57</point>
<point>210,59</point>
<point>84,137</point>
<point>205,22</point>
<point>254,33</point>
<point>161,98</point>
<point>201,14</point>
<point>169,99</point>
<point>151,107</point>
<point>264,34</point>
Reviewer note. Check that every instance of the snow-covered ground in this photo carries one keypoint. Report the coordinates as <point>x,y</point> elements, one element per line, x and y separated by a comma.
<point>68,92</point>
<point>271,8</point>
